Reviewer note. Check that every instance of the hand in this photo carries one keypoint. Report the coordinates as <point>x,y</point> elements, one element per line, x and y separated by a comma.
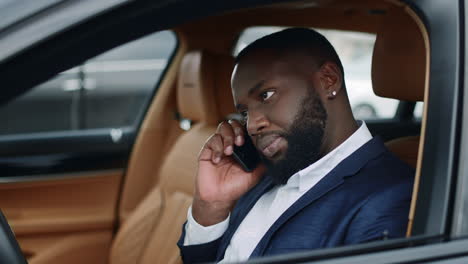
<point>220,180</point>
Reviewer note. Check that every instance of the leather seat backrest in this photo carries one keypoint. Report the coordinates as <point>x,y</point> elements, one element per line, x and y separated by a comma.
<point>399,66</point>
<point>203,96</point>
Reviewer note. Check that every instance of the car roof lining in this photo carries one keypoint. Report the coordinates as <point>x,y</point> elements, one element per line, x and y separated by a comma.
<point>360,18</point>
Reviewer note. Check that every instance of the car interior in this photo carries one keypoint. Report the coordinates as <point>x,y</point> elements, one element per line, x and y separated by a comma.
<point>136,215</point>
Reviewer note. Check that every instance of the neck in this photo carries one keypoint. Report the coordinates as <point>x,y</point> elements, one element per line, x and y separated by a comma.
<point>337,131</point>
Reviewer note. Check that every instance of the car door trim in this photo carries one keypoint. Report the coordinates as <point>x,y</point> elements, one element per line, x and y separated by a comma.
<point>59,176</point>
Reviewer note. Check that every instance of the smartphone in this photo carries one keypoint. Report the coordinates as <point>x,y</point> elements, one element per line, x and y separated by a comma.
<point>247,155</point>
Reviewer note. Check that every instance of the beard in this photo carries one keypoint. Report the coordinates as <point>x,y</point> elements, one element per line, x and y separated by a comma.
<point>304,137</point>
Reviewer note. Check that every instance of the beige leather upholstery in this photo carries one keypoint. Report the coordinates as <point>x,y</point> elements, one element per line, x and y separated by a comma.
<point>223,71</point>
<point>198,89</point>
<point>399,70</point>
<point>63,219</point>
<point>399,59</point>
<point>406,148</point>
<point>151,232</point>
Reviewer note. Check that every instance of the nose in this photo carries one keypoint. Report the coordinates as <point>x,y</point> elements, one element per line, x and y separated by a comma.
<point>256,122</point>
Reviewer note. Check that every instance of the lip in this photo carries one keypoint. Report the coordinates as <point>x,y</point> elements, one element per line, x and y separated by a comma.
<point>270,145</point>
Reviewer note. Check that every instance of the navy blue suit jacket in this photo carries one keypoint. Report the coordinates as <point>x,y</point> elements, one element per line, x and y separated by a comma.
<point>366,197</point>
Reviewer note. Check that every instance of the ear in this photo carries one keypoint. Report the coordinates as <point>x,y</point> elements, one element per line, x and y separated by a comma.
<point>331,79</point>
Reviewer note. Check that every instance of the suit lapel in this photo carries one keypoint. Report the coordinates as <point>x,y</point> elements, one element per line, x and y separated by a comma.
<point>328,183</point>
<point>335,178</point>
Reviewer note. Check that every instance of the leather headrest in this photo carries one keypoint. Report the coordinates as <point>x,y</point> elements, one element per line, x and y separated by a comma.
<point>204,89</point>
<point>223,92</point>
<point>399,59</point>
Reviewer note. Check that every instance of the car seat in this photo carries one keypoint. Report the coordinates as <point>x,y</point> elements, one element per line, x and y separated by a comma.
<point>150,233</point>
<point>399,66</point>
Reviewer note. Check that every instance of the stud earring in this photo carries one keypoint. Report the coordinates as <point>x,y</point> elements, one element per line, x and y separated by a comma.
<point>333,93</point>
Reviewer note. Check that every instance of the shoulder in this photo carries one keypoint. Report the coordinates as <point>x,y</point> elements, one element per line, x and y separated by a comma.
<point>387,178</point>
<point>386,183</point>
<point>386,168</point>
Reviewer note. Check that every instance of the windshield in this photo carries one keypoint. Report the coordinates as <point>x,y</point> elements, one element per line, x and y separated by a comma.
<point>13,11</point>
<point>24,23</point>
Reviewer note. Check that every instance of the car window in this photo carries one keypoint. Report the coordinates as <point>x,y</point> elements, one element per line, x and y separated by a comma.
<point>108,91</point>
<point>418,110</point>
<point>355,51</point>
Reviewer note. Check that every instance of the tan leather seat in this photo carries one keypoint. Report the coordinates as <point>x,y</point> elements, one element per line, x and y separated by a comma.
<point>406,148</point>
<point>204,97</point>
<point>399,70</point>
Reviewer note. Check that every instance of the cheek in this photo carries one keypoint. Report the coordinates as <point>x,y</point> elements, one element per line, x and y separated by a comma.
<point>283,114</point>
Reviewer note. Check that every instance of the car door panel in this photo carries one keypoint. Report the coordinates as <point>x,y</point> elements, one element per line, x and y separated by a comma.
<point>82,247</point>
<point>65,146</point>
<point>64,152</point>
<point>55,215</point>
<point>60,191</point>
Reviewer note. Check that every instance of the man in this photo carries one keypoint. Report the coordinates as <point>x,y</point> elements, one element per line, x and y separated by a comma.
<point>324,181</point>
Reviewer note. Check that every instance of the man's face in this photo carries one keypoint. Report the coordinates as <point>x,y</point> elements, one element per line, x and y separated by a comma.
<point>284,114</point>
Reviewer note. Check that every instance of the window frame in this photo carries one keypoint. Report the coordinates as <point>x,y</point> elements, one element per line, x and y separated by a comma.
<point>28,156</point>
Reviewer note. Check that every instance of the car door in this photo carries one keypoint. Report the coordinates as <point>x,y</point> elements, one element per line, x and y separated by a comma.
<point>64,147</point>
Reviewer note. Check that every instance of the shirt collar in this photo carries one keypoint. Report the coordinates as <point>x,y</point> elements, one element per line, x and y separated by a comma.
<point>309,176</point>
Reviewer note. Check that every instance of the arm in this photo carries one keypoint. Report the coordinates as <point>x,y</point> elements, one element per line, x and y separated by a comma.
<point>219,183</point>
<point>204,251</point>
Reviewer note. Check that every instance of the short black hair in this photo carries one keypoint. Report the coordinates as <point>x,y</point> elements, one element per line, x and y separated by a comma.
<point>304,40</point>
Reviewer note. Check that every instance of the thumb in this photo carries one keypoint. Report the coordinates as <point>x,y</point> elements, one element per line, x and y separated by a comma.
<point>205,154</point>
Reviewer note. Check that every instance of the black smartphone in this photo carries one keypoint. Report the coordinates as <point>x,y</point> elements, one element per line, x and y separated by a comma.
<point>247,155</point>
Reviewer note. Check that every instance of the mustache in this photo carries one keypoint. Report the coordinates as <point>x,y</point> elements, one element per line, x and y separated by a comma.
<point>269,133</point>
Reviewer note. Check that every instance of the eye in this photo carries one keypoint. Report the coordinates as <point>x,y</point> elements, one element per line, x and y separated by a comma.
<point>266,95</point>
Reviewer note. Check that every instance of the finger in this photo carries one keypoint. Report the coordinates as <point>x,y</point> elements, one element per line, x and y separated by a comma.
<point>215,144</point>
<point>239,131</point>
<point>227,133</point>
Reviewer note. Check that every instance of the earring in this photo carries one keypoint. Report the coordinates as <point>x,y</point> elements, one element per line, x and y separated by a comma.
<point>334,93</point>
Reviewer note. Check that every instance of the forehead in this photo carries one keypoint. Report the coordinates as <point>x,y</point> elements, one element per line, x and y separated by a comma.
<point>267,67</point>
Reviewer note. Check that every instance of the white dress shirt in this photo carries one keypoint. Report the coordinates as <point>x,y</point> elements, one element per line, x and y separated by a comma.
<point>273,203</point>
